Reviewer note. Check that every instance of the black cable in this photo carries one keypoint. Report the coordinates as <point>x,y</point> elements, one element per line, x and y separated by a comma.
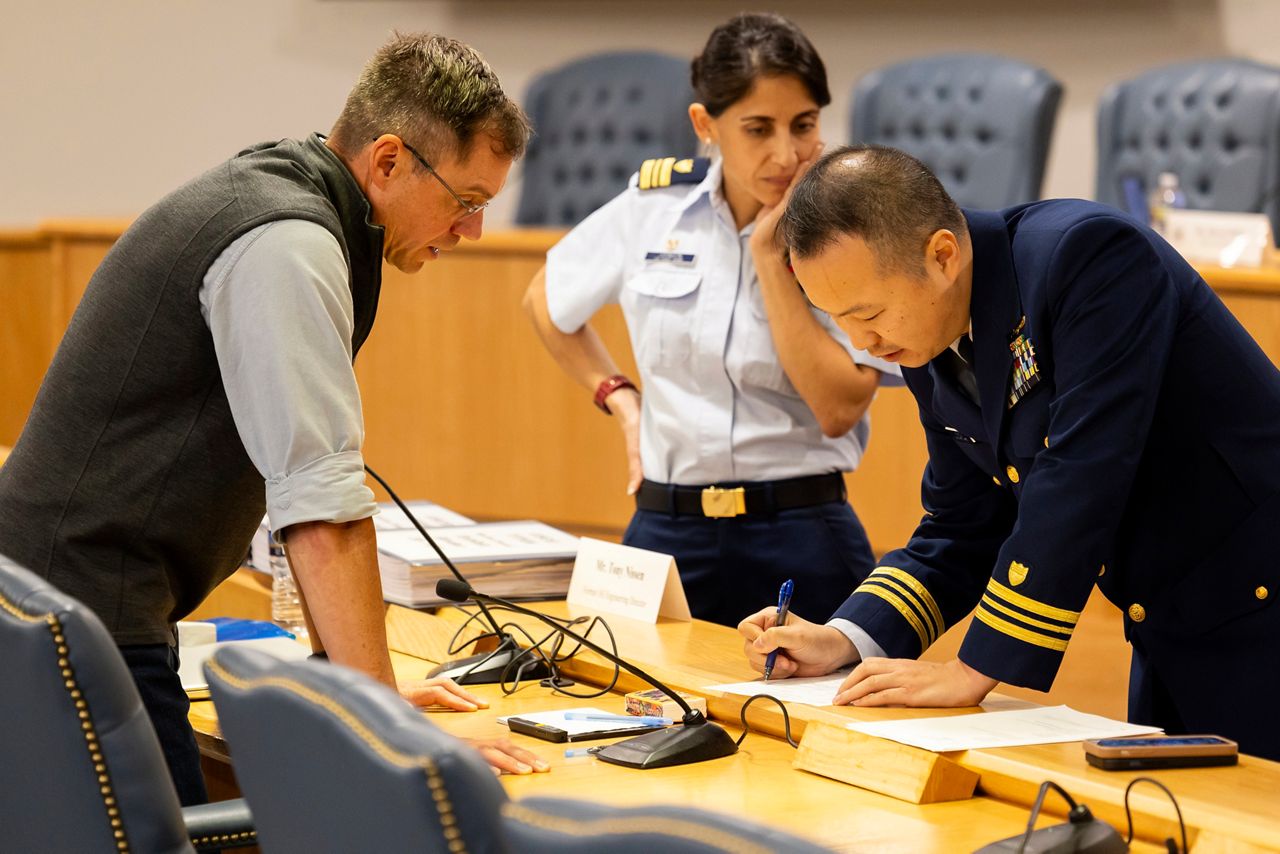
<point>1078,812</point>
<point>512,673</point>
<point>786,718</point>
<point>1129,816</point>
<point>557,657</point>
<point>423,531</point>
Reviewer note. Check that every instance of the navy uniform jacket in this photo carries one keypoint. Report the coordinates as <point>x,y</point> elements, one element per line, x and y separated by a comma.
<point>1145,458</point>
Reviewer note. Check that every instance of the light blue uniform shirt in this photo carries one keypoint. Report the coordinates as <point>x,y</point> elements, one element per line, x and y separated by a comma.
<point>717,405</point>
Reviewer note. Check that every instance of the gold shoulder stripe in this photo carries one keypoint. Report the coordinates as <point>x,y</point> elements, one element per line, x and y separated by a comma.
<point>920,590</point>
<point>901,590</point>
<point>663,178</point>
<point>901,607</point>
<point>1069,617</point>
<point>1018,632</point>
<point>1009,612</point>
<point>646,174</point>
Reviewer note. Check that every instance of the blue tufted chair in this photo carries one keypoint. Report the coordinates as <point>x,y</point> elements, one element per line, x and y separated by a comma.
<point>333,761</point>
<point>80,766</point>
<point>981,123</point>
<point>595,121</point>
<point>1216,124</point>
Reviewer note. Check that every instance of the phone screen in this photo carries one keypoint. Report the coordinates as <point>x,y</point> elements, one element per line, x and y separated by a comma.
<point>1168,741</point>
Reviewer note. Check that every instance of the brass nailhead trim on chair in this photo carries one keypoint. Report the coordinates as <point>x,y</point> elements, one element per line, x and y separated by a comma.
<point>439,791</point>
<point>82,712</point>
<point>224,838</point>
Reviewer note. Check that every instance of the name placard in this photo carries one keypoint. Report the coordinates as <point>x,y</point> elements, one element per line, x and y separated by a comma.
<point>1218,237</point>
<point>627,581</point>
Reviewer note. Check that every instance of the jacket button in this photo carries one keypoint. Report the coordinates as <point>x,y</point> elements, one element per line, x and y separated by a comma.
<point>1261,593</point>
<point>1102,571</point>
<point>1046,441</point>
<point>1013,474</point>
<point>1137,613</point>
<point>996,481</point>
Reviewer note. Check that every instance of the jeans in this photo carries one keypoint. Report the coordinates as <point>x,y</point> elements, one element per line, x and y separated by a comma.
<point>154,668</point>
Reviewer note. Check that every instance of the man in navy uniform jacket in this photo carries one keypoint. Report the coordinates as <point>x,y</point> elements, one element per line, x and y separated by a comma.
<point>1094,415</point>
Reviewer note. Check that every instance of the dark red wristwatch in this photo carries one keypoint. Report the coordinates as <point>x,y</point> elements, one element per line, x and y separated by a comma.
<point>607,387</point>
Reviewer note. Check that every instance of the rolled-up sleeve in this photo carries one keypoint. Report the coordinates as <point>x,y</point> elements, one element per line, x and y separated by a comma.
<point>278,304</point>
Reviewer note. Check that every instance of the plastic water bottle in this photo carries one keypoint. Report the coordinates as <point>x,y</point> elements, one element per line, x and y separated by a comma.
<point>286,607</point>
<point>1166,195</point>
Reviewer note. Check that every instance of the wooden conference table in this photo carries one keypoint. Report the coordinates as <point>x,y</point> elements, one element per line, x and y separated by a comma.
<point>1226,809</point>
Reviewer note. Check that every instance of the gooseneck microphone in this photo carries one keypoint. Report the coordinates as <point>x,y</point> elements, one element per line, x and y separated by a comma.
<point>697,740</point>
<point>482,668</point>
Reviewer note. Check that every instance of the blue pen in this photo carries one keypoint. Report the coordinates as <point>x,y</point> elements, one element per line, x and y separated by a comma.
<point>639,720</point>
<point>784,608</point>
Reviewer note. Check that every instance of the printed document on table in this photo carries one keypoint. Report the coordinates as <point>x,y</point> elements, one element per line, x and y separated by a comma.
<point>1041,725</point>
<point>811,690</point>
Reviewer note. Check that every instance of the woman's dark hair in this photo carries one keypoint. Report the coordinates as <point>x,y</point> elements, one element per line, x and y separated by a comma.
<point>751,46</point>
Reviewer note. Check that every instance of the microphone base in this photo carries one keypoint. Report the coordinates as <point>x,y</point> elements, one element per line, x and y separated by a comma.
<point>677,745</point>
<point>487,668</point>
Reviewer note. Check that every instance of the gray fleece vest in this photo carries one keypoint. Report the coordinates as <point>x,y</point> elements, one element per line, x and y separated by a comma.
<point>129,488</point>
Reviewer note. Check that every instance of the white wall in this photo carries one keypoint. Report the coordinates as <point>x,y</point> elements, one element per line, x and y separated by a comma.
<point>106,106</point>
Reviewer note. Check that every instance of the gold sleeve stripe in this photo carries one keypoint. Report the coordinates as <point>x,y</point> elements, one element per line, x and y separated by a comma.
<point>1018,632</point>
<point>920,590</point>
<point>646,174</point>
<point>663,177</point>
<point>901,607</point>
<point>905,594</point>
<point>1069,617</point>
<point>1009,612</point>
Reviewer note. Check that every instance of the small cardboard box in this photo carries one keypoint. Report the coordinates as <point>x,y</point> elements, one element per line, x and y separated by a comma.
<point>654,702</point>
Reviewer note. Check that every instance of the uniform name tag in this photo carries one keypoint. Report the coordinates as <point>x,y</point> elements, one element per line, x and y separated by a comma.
<point>683,259</point>
<point>1026,371</point>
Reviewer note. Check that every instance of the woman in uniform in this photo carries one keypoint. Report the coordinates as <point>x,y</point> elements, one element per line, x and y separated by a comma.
<point>754,403</point>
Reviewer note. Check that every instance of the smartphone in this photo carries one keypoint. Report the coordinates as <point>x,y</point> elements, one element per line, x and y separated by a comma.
<point>1160,751</point>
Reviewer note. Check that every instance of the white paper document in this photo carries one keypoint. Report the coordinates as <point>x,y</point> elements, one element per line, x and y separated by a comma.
<point>1041,725</point>
<point>491,541</point>
<point>578,729</point>
<point>810,690</point>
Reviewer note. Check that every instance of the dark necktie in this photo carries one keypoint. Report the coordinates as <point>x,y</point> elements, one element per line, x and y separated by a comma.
<point>961,365</point>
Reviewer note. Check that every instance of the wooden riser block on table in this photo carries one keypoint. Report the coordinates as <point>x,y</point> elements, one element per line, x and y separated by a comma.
<point>898,770</point>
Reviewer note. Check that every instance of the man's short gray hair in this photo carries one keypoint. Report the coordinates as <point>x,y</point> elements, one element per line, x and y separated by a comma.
<point>434,92</point>
<point>881,195</point>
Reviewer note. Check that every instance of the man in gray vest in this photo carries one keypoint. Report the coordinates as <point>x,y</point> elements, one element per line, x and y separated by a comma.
<point>208,369</point>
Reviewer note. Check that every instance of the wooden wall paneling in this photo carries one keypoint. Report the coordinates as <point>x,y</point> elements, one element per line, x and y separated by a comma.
<point>460,393</point>
<point>26,319</point>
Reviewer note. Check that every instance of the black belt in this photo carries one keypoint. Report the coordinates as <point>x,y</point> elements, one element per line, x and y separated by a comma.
<point>754,498</point>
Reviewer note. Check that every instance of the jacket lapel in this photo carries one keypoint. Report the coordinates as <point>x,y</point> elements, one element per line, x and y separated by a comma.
<point>995,309</point>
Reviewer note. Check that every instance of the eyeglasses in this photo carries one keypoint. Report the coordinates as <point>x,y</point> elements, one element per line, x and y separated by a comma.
<point>469,209</point>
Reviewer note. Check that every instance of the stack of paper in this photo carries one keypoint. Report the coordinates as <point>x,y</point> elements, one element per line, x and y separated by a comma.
<point>1041,725</point>
<point>389,518</point>
<point>512,560</point>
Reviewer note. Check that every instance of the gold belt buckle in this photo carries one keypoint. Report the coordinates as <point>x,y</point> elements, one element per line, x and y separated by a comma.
<point>720,503</point>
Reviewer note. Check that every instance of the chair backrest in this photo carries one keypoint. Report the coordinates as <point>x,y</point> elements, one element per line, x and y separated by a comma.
<point>331,760</point>
<point>595,121</point>
<point>981,123</point>
<point>81,768</point>
<point>1214,123</point>
<point>561,826</point>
